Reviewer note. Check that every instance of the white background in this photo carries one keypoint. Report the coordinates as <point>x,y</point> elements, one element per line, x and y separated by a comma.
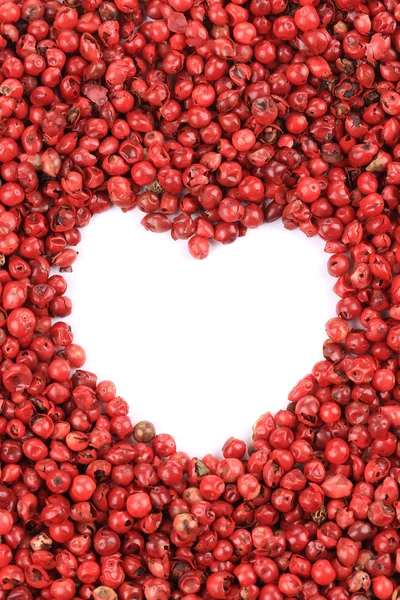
<point>200,348</point>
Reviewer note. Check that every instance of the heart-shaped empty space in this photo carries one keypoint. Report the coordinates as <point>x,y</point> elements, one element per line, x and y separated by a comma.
<point>201,349</point>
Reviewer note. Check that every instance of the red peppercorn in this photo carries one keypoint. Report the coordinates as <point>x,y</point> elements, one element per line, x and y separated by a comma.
<point>322,572</point>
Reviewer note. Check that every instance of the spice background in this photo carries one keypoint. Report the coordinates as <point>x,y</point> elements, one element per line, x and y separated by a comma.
<point>210,119</point>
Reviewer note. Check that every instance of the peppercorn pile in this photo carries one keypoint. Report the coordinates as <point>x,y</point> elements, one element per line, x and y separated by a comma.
<point>211,117</point>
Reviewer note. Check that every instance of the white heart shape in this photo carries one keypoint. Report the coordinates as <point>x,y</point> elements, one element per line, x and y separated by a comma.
<point>201,349</point>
